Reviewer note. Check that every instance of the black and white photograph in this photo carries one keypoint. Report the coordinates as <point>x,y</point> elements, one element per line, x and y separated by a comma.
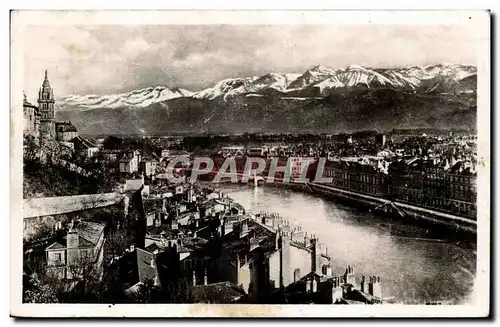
<point>273,164</point>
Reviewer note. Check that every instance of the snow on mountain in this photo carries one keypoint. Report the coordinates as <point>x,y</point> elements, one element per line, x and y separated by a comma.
<point>320,80</point>
<point>355,75</point>
<point>138,98</point>
<point>238,86</point>
<point>399,80</point>
<point>223,87</point>
<point>312,76</point>
<point>457,72</point>
<point>325,86</point>
<point>316,81</point>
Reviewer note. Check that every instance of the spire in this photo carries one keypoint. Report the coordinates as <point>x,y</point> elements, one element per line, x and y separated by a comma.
<point>46,80</point>
<point>24,97</point>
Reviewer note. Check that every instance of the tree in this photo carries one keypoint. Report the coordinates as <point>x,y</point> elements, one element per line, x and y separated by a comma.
<point>46,287</point>
<point>117,242</point>
<point>41,293</point>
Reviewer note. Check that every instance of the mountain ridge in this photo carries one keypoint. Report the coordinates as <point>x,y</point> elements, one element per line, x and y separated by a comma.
<point>315,81</point>
<point>321,100</point>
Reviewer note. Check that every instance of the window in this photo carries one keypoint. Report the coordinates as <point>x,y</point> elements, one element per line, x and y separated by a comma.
<point>57,257</point>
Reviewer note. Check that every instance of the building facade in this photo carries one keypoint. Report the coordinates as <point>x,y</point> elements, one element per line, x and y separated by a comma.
<point>357,177</point>
<point>31,117</point>
<point>46,107</point>
<point>84,147</point>
<point>80,254</point>
<point>130,162</point>
<point>40,121</point>
<point>65,131</point>
<point>423,183</point>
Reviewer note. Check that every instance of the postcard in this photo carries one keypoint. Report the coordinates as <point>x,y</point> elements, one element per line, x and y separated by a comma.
<point>250,164</point>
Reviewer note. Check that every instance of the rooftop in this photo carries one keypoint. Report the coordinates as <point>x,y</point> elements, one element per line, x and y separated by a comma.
<point>89,234</point>
<point>241,246</point>
<point>90,231</point>
<point>83,142</point>
<point>65,126</point>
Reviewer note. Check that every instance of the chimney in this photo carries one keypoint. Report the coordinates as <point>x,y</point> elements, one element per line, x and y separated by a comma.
<point>72,243</point>
<point>370,286</point>
<point>313,255</point>
<point>328,271</point>
<point>349,277</point>
<point>284,245</point>
<point>374,287</point>
<point>363,286</point>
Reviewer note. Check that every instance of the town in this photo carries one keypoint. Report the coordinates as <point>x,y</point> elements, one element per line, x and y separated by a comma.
<point>103,222</point>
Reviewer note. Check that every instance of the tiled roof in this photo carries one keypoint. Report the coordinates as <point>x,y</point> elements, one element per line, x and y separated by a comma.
<point>152,247</point>
<point>88,235</point>
<point>145,271</point>
<point>83,142</point>
<point>358,296</point>
<point>55,246</point>
<point>84,243</point>
<point>241,246</point>
<point>162,230</point>
<point>135,267</point>
<point>90,231</point>
<point>191,243</point>
<point>29,105</point>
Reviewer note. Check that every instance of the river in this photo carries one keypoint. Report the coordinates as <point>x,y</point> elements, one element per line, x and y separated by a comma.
<point>415,267</point>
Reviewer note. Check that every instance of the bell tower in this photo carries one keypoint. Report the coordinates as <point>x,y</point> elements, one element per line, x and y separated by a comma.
<point>46,107</point>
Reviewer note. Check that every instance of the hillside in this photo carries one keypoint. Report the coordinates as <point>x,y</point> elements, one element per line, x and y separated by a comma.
<point>320,99</point>
<point>382,109</point>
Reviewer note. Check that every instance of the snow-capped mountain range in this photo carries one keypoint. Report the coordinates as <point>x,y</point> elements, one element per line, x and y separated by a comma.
<point>138,98</point>
<point>318,81</point>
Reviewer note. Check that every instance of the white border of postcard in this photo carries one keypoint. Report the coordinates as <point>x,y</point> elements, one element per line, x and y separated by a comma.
<point>479,21</point>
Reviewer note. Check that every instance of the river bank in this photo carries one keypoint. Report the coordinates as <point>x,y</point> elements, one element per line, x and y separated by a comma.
<point>417,264</point>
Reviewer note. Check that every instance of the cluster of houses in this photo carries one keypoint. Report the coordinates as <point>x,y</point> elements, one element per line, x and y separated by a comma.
<point>220,252</point>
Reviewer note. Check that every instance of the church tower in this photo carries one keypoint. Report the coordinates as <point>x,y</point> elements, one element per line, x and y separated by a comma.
<point>46,108</point>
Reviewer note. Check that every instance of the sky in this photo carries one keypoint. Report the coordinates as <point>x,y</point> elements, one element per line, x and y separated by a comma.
<point>109,59</point>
